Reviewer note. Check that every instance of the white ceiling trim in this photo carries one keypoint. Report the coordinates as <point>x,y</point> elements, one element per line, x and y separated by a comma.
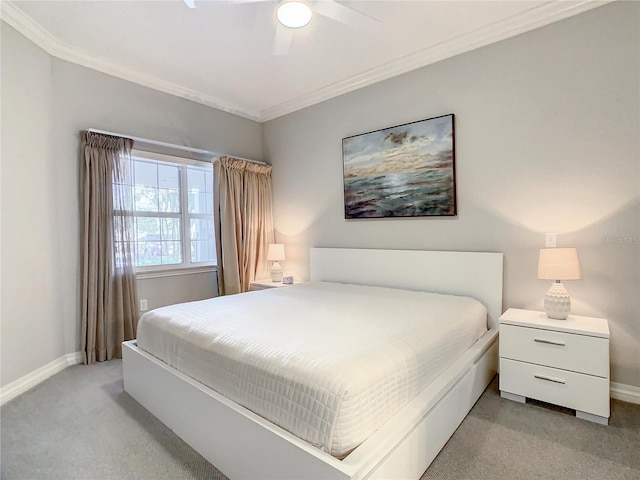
<point>544,14</point>
<point>536,17</point>
<point>15,17</point>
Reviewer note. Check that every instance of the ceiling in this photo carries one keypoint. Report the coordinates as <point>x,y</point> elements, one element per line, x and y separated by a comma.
<point>221,53</point>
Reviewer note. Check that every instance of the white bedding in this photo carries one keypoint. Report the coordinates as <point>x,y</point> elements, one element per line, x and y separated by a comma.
<point>328,362</point>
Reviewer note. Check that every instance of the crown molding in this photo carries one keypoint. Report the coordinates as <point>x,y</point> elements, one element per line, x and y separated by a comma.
<point>544,14</point>
<point>536,17</point>
<point>33,31</point>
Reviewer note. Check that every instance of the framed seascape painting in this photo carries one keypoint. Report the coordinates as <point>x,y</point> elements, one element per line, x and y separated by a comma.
<point>403,171</point>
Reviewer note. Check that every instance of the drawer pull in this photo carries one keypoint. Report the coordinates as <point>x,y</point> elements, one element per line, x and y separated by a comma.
<point>550,342</point>
<point>549,379</point>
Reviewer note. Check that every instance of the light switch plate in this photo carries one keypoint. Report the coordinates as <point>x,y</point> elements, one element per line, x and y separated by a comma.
<point>550,240</point>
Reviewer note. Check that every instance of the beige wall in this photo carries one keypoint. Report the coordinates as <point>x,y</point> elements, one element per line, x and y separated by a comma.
<point>161,291</point>
<point>32,312</point>
<point>546,141</point>
<point>45,103</point>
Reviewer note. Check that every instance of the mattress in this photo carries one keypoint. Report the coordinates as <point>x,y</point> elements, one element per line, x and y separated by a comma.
<point>328,362</point>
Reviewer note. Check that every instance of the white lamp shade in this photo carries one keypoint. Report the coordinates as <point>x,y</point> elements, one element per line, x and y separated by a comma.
<point>558,264</point>
<point>275,252</point>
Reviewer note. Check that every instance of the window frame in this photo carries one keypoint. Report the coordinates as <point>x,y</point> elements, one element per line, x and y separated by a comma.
<point>186,266</point>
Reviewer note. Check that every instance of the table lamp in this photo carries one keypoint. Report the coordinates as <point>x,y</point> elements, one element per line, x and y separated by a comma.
<point>558,264</point>
<point>275,253</point>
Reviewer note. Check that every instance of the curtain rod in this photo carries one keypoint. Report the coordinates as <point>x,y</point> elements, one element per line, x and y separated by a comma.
<point>171,145</point>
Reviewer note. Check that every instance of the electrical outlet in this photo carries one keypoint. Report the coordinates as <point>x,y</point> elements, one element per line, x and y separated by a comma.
<point>550,240</point>
<point>144,306</point>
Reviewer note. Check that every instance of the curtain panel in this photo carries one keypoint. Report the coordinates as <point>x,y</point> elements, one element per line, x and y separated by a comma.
<point>244,222</point>
<point>109,291</point>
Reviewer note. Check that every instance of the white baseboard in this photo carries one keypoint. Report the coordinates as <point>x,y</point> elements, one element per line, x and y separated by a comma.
<point>32,379</point>
<point>619,391</point>
<point>626,393</point>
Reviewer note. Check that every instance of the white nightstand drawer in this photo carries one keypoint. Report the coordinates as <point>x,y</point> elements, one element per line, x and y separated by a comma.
<point>573,390</point>
<point>578,353</point>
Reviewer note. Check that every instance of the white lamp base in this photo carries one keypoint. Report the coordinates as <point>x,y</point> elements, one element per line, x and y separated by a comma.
<point>276,272</point>
<point>557,302</point>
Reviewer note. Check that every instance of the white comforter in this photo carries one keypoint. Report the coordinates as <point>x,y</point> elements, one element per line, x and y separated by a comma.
<point>328,362</point>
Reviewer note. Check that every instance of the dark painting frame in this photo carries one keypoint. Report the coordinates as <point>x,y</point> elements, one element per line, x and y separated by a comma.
<point>402,171</point>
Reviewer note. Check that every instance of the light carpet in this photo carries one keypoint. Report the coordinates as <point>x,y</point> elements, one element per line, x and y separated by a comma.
<point>79,424</point>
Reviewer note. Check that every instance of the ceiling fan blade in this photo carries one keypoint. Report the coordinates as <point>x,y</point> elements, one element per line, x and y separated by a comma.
<point>282,42</point>
<point>190,3</point>
<point>343,14</point>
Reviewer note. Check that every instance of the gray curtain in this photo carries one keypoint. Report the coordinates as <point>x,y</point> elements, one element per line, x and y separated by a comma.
<point>244,222</point>
<point>109,292</point>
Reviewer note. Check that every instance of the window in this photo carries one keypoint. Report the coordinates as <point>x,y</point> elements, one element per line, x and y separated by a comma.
<point>172,208</point>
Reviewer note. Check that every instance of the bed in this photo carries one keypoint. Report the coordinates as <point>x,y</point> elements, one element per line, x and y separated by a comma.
<point>243,444</point>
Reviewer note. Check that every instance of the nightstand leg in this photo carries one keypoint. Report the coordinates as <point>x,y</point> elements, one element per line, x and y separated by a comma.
<point>592,418</point>
<point>513,396</point>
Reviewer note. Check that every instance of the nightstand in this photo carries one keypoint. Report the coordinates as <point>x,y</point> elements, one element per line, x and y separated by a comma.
<point>563,362</point>
<point>267,283</point>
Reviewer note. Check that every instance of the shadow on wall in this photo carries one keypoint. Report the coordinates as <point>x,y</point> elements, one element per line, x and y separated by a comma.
<point>608,243</point>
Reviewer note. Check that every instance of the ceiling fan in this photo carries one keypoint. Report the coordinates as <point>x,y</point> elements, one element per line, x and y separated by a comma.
<point>294,14</point>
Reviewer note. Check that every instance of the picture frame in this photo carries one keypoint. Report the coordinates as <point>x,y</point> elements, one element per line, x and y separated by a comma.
<point>402,171</point>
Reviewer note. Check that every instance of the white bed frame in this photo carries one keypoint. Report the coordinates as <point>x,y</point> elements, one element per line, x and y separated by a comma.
<point>243,445</point>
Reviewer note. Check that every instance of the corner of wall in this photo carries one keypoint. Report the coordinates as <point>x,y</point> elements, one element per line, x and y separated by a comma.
<point>12,390</point>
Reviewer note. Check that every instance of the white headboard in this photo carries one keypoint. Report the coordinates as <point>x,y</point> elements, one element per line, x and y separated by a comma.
<point>473,274</point>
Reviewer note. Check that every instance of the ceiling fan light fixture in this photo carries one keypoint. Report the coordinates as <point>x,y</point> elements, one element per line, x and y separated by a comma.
<point>294,14</point>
